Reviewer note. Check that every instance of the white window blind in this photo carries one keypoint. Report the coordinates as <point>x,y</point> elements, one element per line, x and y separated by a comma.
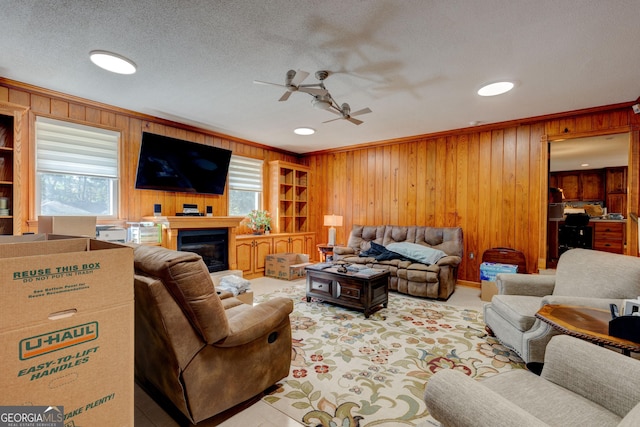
<point>70,148</point>
<point>245,174</point>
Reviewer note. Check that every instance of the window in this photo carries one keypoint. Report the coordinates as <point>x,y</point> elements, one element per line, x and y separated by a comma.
<point>76,169</point>
<point>245,185</point>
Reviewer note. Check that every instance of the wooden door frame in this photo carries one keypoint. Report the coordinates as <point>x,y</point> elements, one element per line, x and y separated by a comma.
<point>633,184</point>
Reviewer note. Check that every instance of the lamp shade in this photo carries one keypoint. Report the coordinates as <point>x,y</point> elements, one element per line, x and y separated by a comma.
<point>333,220</point>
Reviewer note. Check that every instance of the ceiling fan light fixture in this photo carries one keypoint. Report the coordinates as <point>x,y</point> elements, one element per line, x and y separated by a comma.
<point>304,131</point>
<point>494,89</point>
<point>112,62</point>
<point>321,104</point>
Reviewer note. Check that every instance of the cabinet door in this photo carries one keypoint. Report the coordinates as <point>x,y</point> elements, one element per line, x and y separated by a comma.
<point>616,180</point>
<point>280,245</point>
<point>297,245</point>
<point>310,247</point>
<point>262,249</point>
<point>570,184</point>
<point>617,203</point>
<point>592,186</point>
<point>244,252</point>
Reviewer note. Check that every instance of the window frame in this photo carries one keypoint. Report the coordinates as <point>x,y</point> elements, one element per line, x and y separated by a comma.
<point>117,184</point>
<point>237,184</point>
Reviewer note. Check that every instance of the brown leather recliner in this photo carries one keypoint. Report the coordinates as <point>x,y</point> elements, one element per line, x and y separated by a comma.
<point>202,353</point>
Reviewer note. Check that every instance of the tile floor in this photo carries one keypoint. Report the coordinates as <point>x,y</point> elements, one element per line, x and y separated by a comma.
<point>260,414</point>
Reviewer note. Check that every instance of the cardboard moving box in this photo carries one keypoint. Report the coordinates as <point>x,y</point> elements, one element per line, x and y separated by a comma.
<point>67,225</point>
<point>488,273</point>
<point>66,328</point>
<point>287,266</point>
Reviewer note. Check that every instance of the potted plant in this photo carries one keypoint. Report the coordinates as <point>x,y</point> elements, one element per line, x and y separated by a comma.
<point>259,221</point>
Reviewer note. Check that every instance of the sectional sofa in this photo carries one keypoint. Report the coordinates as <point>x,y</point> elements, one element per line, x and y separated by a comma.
<point>423,261</point>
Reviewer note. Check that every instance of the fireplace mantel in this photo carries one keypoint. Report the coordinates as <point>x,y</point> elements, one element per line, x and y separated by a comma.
<point>171,226</point>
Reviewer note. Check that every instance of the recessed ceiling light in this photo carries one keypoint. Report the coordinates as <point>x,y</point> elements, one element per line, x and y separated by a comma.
<point>494,89</point>
<point>584,165</point>
<point>304,131</point>
<point>112,62</point>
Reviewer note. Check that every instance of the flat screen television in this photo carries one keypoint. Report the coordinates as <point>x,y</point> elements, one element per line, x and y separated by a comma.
<point>170,164</point>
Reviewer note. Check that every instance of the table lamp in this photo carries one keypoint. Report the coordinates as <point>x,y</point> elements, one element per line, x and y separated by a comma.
<point>332,221</point>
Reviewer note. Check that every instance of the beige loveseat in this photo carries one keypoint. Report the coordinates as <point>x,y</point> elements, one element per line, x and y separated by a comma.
<point>428,261</point>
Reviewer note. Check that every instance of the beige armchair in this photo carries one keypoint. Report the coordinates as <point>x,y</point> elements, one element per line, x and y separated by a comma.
<point>583,278</point>
<point>581,384</point>
<point>195,351</point>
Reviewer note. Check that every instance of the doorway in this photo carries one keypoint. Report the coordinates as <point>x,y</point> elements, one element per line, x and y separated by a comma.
<point>583,166</point>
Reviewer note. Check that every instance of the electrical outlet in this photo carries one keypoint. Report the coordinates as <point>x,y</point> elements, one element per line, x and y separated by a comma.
<point>471,255</point>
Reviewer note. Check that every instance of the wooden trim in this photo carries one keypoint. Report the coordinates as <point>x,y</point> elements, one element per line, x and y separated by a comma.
<point>490,127</point>
<point>36,90</point>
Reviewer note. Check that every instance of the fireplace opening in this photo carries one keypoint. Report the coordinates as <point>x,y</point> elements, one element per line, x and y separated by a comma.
<point>211,245</point>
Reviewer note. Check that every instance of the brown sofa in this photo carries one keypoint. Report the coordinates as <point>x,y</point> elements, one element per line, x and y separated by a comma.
<point>198,352</point>
<point>408,276</point>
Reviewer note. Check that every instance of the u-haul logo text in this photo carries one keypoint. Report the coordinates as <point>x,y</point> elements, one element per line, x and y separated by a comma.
<point>58,340</point>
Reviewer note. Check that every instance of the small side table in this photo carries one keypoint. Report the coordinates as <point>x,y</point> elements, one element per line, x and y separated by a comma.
<point>325,249</point>
<point>587,323</point>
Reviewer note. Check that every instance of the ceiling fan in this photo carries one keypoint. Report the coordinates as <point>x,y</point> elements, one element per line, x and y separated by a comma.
<point>345,112</point>
<point>322,99</point>
<point>292,83</point>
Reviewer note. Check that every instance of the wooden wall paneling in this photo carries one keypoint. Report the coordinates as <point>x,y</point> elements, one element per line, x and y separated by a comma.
<point>497,191</point>
<point>19,97</point>
<point>387,185</point>
<point>41,104</point>
<point>633,185</point>
<point>470,230</point>
<point>538,186</point>
<point>508,212</point>
<point>379,196</point>
<point>402,176</point>
<point>451,173</point>
<point>4,94</point>
<point>484,193</point>
<point>59,108</point>
<point>440,195</point>
<point>461,192</point>
<point>360,185</point>
<point>77,112</point>
<point>371,181</point>
<point>523,193</point>
<point>430,180</point>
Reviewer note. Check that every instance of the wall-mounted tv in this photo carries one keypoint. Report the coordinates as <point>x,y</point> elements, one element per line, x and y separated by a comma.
<point>170,164</point>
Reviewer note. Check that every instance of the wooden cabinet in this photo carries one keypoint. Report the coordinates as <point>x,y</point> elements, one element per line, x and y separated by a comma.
<point>616,203</point>
<point>616,185</point>
<point>617,180</point>
<point>251,250</point>
<point>570,185</point>
<point>609,237</point>
<point>592,183</point>
<point>289,196</point>
<point>250,254</point>
<point>12,119</point>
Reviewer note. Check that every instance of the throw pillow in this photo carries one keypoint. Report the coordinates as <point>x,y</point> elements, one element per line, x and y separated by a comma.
<point>416,252</point>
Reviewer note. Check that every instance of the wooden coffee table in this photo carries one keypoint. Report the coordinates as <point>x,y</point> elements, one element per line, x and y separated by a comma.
<point>353,290</point>
<point>591,324</point>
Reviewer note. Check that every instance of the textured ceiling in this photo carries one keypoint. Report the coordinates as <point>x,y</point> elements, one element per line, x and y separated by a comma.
<point>416,64</point>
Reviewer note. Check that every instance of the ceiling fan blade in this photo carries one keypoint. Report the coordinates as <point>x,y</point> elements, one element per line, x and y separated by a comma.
<point>355,121</point>
<point>363,111</point>
<point>313,91</point>
<point>267,83</point>
<point>285,96</point>
<point>299,77</point>
<point>333,120</point>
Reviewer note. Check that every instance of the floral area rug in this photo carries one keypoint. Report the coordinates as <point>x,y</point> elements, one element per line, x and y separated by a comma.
<point>348,371</point>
